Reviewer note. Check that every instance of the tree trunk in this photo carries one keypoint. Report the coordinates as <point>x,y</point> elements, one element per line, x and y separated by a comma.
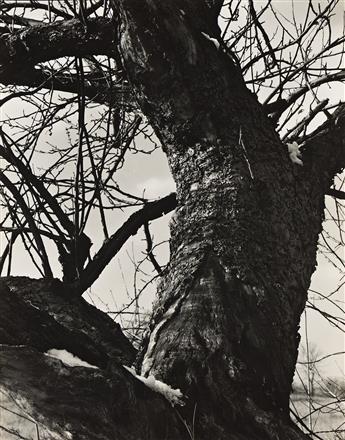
<point>243,238</point>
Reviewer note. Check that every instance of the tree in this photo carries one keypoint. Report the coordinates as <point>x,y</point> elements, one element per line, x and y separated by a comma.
<point>244,232</point>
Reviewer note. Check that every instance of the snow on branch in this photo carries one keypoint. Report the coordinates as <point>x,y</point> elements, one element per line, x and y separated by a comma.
<point>68,358</point>
<point>213,40</point>
<point>295,153</point>
<point>174,396</point>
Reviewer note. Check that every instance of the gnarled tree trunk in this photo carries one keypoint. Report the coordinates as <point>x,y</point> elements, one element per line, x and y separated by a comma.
<point>244,234</point>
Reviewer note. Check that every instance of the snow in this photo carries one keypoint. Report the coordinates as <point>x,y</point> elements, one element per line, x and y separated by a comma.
<point>147,362</point>
<point>174,396</point>
<point>194,186</point>
<point>12,346</point>
<point>295,153</point>
<point>32,305</point>
<point>68,358</point>
<point>213,40</point>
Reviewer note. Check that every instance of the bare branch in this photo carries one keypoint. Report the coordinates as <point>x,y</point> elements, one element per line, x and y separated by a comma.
<point>28,5</point>
<point>51,41</point>
<point>98,90</point>
<point>149,249</point>
<point>336,193</point>
<point>278,107</point>
<point>31,222</point>
<point>111,247</point>
<point>33,181</point>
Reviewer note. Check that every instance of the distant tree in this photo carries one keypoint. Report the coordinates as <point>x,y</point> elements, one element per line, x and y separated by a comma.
<point>253,148</point>
<point>309,367</point>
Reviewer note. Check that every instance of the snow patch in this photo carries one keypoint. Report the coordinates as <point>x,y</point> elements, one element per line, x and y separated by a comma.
<point>148,360</point>
<point>194,186</point>
<point>13,346</point>
<point>295,153</point>
<point>174,396</point>
<point>32,305</point>
<point>213,40</point>
<point>68,358</point>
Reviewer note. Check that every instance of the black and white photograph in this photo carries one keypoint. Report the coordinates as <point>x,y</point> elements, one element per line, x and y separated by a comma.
<point>172,219</point>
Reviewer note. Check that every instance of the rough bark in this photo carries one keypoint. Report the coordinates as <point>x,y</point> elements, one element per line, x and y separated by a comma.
<point>83,403</point>
<point>70,322</point>
<point>225,328</point>
<point>74,402</point>
<point>20,51</point>
<point>50,41</point>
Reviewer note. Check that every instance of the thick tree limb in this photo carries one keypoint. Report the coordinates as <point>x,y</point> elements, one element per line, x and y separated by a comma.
<point>26,328</point>
<point>36,319</point>
<point>28,306</point>
<point>111,247</point>
<point>84,403</point>
<point>96,90</point>
<point>51,41</point>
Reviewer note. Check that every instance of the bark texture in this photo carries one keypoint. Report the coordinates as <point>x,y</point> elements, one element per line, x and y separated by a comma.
<point>45,42</point>
<point>74,402</point>
<point>244,234</point>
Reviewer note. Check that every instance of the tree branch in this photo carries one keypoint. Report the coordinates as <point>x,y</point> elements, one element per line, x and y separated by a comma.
<point>97,90</point>
<point>111,247</point>
<point>149,249</point>
<point>336,193</point>
<point>28,5</point>
<point>34,320</point>
<point>69,323</point>
<point>324,149</point>
<point>33,181</point>
<point>278,107</point>
<point>51,41</point>
<point>31,222</point>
